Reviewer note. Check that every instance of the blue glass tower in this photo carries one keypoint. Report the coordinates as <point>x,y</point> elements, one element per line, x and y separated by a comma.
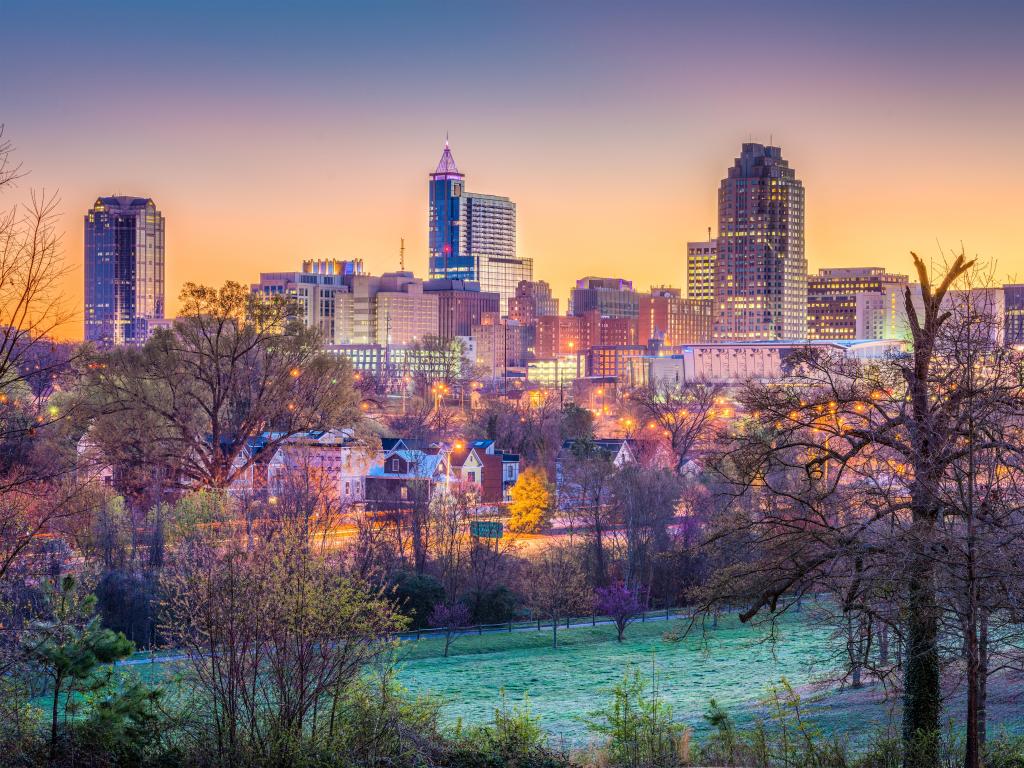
<point>124,269</point>
<point>449,256</point>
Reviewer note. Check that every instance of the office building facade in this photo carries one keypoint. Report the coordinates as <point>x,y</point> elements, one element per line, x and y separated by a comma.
<point>669,320</point>
<point>854,303</point>
<point>609,296</point>
<point>760,266</point>
<point>532,300</point>
<point>124,269</point>
<point>1013,307</point>
<point>349,307</point>
<point>460,305</point>
<point>700,269</point>
<point>321,295</point>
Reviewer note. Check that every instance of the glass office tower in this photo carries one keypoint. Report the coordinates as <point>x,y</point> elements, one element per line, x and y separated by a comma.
<point>473,236</point>
<point>124,269</point>
<point>449,255</point>
<point>760,269</point>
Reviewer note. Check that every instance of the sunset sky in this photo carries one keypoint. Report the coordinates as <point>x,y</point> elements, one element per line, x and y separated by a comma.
<point>272,132</point>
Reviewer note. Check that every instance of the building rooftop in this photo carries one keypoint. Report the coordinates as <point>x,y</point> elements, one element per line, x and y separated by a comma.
<point>446,167</point>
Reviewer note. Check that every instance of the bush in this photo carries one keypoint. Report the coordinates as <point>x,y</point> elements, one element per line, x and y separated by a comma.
<point>416,596</point>
<point>638,728</point>
<point>495,606</point>
<point>514,739</point>
<point>128,602</point>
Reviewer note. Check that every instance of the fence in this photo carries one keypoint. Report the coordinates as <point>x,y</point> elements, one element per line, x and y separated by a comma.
<point>539,625</point>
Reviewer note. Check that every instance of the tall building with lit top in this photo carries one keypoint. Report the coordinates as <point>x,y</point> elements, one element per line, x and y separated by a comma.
<point>472,236</point>
<point>760,267</point>
<point>124,269</point>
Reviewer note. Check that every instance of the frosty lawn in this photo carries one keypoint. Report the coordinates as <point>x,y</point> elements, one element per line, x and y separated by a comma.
<point>733,664</point>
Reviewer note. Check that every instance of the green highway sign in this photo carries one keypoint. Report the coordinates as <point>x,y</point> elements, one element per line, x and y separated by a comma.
<point>485,529</point>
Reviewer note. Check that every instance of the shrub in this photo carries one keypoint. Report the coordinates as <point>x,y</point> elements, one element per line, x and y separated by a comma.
<point>637,727</point>
<point>416,596</point>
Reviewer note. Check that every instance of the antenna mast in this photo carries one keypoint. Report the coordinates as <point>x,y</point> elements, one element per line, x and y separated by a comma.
<point>401,256</point>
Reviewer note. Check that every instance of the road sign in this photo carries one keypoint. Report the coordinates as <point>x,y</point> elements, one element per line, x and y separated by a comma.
<point>485,529</point>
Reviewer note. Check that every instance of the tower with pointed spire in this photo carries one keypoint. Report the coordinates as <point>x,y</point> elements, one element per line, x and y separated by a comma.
<point>473,236</point>
<point>448,253</point>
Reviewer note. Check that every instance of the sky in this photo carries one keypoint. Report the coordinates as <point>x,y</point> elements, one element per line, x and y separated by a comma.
<point>269,133</point>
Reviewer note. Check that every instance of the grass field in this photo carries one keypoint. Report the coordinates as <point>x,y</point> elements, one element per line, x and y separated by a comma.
<point>733,664</point>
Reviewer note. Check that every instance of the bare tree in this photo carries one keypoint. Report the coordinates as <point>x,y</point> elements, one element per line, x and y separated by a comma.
<point>275,638</point>
<point>584,499</point>
<point>233,368</point>
<point>682,414</point>
<point>37,491</point>
<point>844,470</point>
<point>556,585</point>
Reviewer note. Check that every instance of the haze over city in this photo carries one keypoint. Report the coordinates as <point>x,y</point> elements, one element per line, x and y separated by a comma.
<point>268,134</point>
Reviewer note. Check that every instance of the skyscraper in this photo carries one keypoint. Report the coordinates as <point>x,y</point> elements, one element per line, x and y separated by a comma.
<point>473,236</point>
<point>761,268</point>
<point>124,269</point>
<point>449,255</point>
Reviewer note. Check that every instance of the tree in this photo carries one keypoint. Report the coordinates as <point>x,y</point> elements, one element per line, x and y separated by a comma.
<point>234,367</point>
<point>451,510</point>
<point>645,501</point>
<point>70,646</point>
<point>619,603</point>
<point>32,267</point>
<point>35,470</point>
<point>683,414</point>
<point>584,498</point>
<point>530,510</point>
<point>451,616</point>
<point>275,638</point>
<point>556,585</point>
<point>844,471</point>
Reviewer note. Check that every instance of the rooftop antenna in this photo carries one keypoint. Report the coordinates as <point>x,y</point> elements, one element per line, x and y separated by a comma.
<point>709,234</point>
<point>401,255</point>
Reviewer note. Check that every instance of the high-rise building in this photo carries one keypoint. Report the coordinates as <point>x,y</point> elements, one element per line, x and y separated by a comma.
<point>854,303</point>
<point>473,236</point>
<point>124,269</point>
<point>670,320</point>
<point>460,305</point>
<point>761,268</point>
<point>700,269</point>
<point>610,296</point>
<point>1013,307</point>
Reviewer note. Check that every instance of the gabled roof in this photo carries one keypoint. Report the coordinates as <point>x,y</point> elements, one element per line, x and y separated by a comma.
<point>420,465</point>
<point>389,444</point>
<point>611,446</point>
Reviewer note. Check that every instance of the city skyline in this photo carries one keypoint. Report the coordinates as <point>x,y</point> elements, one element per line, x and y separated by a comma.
<point>613,162</point>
